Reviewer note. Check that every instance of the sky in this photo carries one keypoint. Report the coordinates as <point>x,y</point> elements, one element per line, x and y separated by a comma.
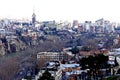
<point>45,10</point>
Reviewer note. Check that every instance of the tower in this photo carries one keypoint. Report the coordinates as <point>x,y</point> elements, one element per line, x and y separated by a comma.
<point>33,19</point>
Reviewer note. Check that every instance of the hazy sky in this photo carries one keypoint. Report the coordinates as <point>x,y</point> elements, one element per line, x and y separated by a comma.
<point>61,9</point>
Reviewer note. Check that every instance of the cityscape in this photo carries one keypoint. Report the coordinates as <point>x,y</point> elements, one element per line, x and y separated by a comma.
<point>59,50</point>
<point>59,40</point>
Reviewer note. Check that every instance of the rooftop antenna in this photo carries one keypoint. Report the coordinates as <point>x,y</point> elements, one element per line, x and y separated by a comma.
<point>33,9</point>
<point>33,17</point>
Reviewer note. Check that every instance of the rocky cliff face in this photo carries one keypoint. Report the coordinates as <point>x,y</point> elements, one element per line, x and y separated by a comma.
<point>16,45</point>
<point>2,50</point>
<point>11,45</point>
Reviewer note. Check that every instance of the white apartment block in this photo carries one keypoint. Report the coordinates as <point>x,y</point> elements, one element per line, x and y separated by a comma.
<point>53,56</point>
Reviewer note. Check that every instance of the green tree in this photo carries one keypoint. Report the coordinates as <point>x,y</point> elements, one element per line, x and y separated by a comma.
<point>85,48</point>
<point>94,63</point>
<point>116,63</point>
<point>98,61</point>
<point>46,76</point>
<point>75,51</point>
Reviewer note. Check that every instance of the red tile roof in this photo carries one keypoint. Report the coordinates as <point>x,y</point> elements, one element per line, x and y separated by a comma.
<point>92,52</point>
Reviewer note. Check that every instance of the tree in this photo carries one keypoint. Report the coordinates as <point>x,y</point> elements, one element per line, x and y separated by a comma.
<point>46,76</point>
<point>116,63</point>
<point>9,69</point>
<point>85,48</point>
<point>75,51</point>
<point>98,61</point>
<point>94,63</point>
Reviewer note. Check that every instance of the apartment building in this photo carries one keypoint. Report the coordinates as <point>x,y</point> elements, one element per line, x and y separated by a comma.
<point>53,56</point>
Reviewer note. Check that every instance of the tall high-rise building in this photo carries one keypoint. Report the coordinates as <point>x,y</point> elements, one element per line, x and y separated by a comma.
<point>87,25</point>
<point>33,19</point>
<point>100,25</point>
<point>75,23</point>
